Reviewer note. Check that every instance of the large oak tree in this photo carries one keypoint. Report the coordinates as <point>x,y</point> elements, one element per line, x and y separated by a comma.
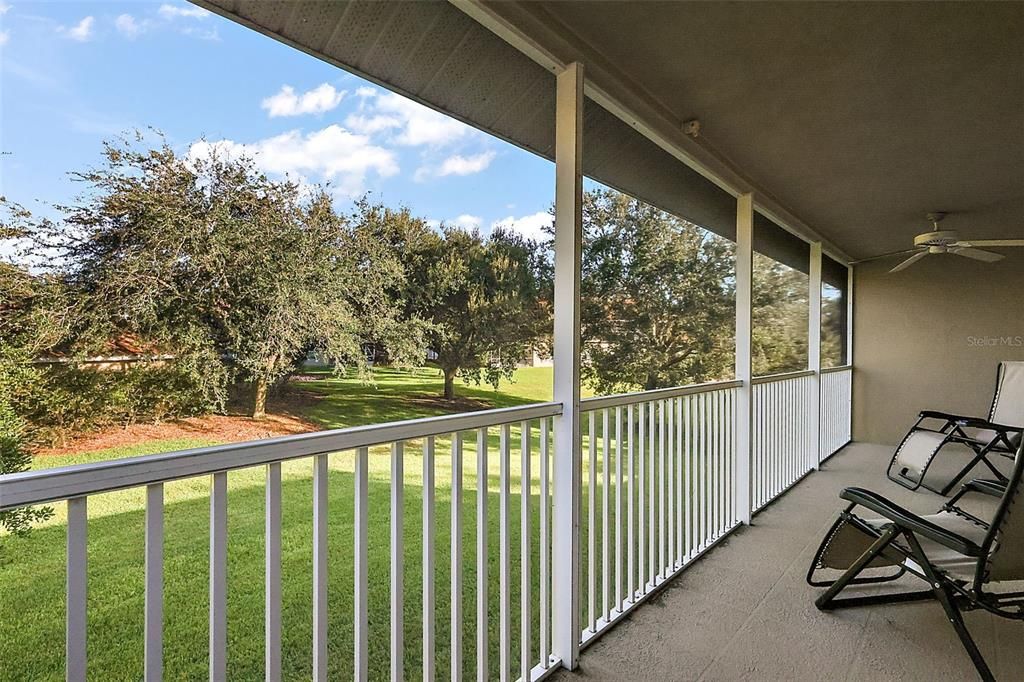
<point>236,274</point>
<point>657,299</point>
<point>484,298</point>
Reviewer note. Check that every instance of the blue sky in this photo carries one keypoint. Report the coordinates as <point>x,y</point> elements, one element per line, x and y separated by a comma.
<point>75,73</point>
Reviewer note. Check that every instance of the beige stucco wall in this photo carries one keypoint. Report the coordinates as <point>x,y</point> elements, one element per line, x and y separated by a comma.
<point>930,337</point>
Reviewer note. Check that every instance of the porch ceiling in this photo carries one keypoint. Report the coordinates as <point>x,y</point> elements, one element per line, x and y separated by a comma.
<point>858,117</point>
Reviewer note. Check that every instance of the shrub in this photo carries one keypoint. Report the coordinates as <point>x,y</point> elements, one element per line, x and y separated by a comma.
<point>67,399</point>
<point>14,458</point>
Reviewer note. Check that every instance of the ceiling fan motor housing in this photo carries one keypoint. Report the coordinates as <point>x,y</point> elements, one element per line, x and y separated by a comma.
<point>939,238</point>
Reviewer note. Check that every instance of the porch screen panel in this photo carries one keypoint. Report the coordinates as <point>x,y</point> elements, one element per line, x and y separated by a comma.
<point>617,155</point>
<point>781,246</point>
<point>834,313</point>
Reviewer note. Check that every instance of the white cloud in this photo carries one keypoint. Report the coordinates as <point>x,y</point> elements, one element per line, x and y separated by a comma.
<point>465,165</point>
<point>456,165</point>
<point>414,124</point>
<point>468,222</point>
<point>422,126</point>
<point>168,11</point>
<point>4,37</point>
<point>529,226</point>
<point>331,154</point>
<point>201,33</point>
<point>433,223</point>
<point>366,91</point>
<point>3,8</point>
<point>316,101</point>
<point>128,26</point>
<point>371,125</point>
<point>81,31</point>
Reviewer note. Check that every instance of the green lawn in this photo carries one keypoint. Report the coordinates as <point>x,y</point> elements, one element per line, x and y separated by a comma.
<point>32,568</point>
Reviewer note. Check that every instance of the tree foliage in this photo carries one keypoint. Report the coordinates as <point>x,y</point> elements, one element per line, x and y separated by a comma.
<point>832,327</point>
<point>483,298</point>
<point>239,277</point>
<point>779,324</point>
<point>658,301</point>
<point>14,458</point>
<point>236,275</point>
<point>29,319</point>
<point>657,304</point>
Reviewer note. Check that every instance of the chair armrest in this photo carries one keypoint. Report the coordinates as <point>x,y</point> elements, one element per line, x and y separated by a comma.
<point>907,520</point>
<point>980,485</point>
<point>975,485</point>
<point>934,414</point>
<point>978,423</point>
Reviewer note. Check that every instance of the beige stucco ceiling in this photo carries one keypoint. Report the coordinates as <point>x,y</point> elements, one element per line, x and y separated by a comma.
<point>858,117</point>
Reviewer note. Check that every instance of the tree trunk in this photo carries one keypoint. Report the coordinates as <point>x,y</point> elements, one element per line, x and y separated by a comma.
<point>449,384</point>
<point>259,402</point>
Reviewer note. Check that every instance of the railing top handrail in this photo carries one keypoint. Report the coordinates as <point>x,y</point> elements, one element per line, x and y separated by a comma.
<point>618,400</point>
<point>61,483</point>
<point>837,368</point>
<point>782,376</point>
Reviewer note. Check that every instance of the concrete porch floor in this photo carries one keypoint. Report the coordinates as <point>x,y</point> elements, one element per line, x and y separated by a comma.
<point>745,612</point>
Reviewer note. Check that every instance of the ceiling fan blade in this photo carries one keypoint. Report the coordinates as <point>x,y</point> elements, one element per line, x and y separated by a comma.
<point>991,242</point>
<point>884,255</point>
<point>977,254</point>
<point>910,261</point>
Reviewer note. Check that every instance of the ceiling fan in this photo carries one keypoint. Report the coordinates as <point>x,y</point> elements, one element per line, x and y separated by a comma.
<point>947,241</point>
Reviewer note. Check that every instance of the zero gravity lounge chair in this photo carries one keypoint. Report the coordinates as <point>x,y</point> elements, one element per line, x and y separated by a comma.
<point>959,555</point>
<point>999,433</point>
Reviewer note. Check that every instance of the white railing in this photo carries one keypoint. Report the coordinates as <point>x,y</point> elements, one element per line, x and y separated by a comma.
<point>523,429</point>
<point>660,486</point>
<point>781,439</point>
<point>658,491</point>
<point>836,409</point>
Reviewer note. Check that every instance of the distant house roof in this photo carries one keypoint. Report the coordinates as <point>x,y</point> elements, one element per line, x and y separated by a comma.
<point>122,348</point>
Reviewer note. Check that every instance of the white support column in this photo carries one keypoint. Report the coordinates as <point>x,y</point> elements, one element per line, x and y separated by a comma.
<point>567,457</point>
<point>849,347</point>
<point>744,370</point>
<point>814,352</point>
<point>849,316</point>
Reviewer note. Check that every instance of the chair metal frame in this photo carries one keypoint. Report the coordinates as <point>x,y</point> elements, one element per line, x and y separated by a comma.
<point>899,541</point>
<point>953,427</point>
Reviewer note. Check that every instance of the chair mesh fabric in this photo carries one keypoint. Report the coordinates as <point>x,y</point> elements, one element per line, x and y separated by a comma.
<point>986,436</point>
<point>845,545</point>
<point>1008,403</point>
<point>941,557</point>
<point>916,453</point>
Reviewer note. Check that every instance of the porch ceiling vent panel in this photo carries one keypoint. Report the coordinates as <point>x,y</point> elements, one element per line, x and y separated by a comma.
<point>435,54</point>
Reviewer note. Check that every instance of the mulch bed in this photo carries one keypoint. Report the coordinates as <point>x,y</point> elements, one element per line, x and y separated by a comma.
<point>281,420</point>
